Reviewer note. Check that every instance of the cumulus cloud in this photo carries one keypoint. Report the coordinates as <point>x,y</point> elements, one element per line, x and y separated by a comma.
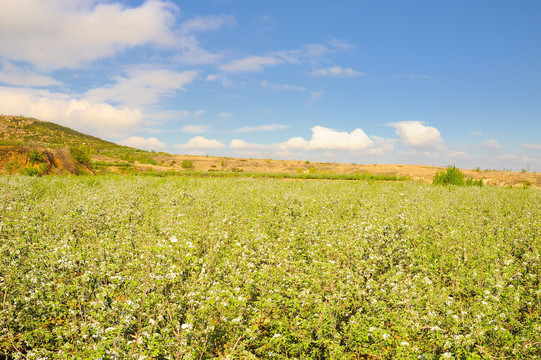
<point>251,64</point>
<point>96,118</point>
<point>417,135</point>
<point>270,127</point>
<point>492,144</point>
<point>143,86</point>
<point>59,33</point>
<point>328,139</point>
<point>201,143</point>
<point>338,71</point>
<point>141,143</point>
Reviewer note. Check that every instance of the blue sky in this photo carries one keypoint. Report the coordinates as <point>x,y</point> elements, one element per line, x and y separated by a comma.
<point>365,81</point>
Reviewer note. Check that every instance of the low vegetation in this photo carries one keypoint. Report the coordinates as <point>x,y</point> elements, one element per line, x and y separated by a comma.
<point>453,176</point>
<point>256,268</point>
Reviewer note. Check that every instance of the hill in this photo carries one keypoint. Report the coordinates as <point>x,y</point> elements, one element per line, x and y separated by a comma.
<point>38,147</point>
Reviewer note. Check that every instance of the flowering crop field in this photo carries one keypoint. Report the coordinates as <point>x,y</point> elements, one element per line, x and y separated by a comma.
<point>239,268</point>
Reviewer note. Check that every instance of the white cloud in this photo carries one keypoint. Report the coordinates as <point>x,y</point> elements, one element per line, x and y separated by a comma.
<point>279,87</point>
<point>241,145</point>
<point>457,154</point>
<point>532,146</point>
<point>315,95</point>
<point>417,135</point>
<point>340,45</point>
<point>338,71</point>
<point>19,76</point>
<point>193,54</point>
<point>477,133</point>
<point>270,127</point>
<point>195,129</point>
<point>96,118</point>
<point>224,80</point>
<point>170,115</point>
<point>381,146</point>
<point>329,139</point>
<point>307,53</point>
<point>60,33</point>
<point>225,114</point>
<point>143,86</point>
<point>492,144</point>
<point>141,143</point>
<point>251,64</point>
<point>201,143</point>
<point>312,52</point>
<point>204,23</point>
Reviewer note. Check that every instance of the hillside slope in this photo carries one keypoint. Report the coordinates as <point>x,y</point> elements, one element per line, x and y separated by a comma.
<point>49,148</point>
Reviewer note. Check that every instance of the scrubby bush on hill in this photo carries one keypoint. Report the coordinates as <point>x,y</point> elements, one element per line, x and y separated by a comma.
<point>80,156</point>
<point>187,164</point>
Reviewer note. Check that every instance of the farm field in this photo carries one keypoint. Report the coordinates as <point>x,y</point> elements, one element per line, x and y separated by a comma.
<point>122,267</point>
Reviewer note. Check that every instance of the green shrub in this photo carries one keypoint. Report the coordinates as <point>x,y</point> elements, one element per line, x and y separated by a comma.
<point>11,166</point>
<point>80,156</point>
<point>146,159</point>
<point>450,176</point>
<point>30,172</point>
<point>471,182</point>
<point>187,164</point>
<point>453,176</point>
<point>35,156</point>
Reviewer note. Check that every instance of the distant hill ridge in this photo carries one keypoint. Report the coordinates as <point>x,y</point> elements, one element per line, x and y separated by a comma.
<point>34,147</point>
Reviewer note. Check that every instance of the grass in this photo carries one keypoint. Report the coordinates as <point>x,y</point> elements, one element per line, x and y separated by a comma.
<point>226,267</point>
<point>237,172</point>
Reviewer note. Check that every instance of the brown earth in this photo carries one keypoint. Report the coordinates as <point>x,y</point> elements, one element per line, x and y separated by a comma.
<point>417,173</point>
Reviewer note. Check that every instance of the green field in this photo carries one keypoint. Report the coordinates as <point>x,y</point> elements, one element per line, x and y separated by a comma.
<point>243,268</point>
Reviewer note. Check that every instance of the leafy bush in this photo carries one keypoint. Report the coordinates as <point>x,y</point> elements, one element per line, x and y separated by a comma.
<point>35,156</point>
<point>450,176</point>
<point>146,159</point>
<point>80,156</point>
<point>30,172</point>
<point>471,182</point>
<point>453,176</point>
<point>187,164</point>
<point>11,166</point>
